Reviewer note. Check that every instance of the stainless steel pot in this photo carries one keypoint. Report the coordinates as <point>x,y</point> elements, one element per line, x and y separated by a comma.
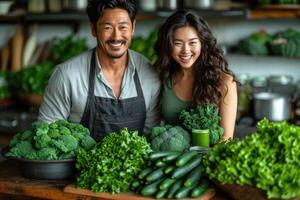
<point>74,4</point>
<point>166,4</point>
<point>199,4</point>
<point>274,106</point>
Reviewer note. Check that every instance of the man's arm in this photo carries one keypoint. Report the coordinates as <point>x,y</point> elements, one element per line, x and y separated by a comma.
<point>56,100</point>
<point>153,115</point>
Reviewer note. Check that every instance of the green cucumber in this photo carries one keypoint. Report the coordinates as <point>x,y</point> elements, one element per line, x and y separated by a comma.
<point>155,175</point>
<point>182,171</point>
<point>135,184</point>
<point>160,154</point>
<point>160,163</point>
<point>174,188</point>
<point>193,177</point>
<point>145,172</point>
<point>169,169</point>
<point>151,189</point>
<point>167,183</point>
<point>171,157</point>
<point>200,189</point>
<point>161,193</point>
<point>185,158</point>
<point>184,192</point>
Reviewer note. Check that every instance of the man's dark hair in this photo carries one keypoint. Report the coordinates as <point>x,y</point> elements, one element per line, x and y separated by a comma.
<point>95,8</point>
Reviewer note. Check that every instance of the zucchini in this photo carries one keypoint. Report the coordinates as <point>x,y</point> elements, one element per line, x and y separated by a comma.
<point>193,177</point>
<point>145,172</point>
<point>200,189</point>
<point>171,157</point>
<point>169,169</point>
<point>161,193</point>
<point>167,183</point>
<point>182,171</point>
<point>184,192</point>
<point>174,188</point>
<point>135,184</point>
<point>151,189</point>
<point>155,175</point>
<point>160,163</point>
<point>160,154</point>
<point>185,158</point>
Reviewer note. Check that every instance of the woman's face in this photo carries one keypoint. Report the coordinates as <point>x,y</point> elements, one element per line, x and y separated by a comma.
<point>114,32</point>
<point>186,46</point>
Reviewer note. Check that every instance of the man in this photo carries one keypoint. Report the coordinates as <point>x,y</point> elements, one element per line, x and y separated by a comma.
<point>111,86</point>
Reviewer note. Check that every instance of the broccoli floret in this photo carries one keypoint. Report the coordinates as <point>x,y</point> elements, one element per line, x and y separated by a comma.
<point>27,135</point>
<point>64,130</point>
<point>174,139</point>
<point>87,142</point>
<point>47,153</point>
<point>53,133</point>
<point>21,149</point>
<point>53,125</point>
<point>40,127</point>
<point>61,123</point>
<point>66,143</point>
<point>157,130</point>
<point>15,140</point>
<point>42,141</point>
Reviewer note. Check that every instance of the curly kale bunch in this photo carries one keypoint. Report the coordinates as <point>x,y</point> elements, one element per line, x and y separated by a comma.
<point>169,138</point>
<point>58,140</point>
<point>114,163</point>
<point>203,117</point>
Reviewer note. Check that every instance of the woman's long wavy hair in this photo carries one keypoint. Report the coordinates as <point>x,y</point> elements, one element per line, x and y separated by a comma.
<point>211,65</point>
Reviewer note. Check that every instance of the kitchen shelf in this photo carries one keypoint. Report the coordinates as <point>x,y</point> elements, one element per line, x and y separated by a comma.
<point>263,12</point>
<point>275,12</point>
<point>69,17</point>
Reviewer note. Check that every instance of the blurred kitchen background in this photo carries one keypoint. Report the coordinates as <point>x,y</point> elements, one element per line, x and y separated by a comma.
<point>260,38</point>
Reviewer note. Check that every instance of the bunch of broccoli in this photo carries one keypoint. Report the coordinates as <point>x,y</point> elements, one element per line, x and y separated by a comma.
<point>56,141</point>
<point>169,138</point>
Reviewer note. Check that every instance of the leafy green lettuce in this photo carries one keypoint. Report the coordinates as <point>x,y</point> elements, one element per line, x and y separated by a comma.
<point>267,159</point>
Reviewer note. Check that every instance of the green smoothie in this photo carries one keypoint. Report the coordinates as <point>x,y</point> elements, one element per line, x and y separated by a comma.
<point>200,137</point>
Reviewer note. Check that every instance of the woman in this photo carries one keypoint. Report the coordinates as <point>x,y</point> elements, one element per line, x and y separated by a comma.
<point>193,70</point>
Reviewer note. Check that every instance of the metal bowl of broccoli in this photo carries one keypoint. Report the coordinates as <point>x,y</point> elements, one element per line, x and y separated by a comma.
<point>44,169</point>
<point>48,151</point>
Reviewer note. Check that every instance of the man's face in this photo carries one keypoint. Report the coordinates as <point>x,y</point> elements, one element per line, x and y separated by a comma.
<point>114,32</point>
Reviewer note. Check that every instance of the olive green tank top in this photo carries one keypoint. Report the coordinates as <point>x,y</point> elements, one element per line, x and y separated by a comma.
<point>171,104</point>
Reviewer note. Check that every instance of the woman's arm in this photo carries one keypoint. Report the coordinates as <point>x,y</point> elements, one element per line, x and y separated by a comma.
<point>228,107</point>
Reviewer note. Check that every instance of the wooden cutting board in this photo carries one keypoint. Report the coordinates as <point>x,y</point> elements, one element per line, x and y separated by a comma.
<point>209,194</point>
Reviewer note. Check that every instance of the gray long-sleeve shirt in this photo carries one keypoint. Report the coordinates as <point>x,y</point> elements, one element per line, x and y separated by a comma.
<point>66,94</point>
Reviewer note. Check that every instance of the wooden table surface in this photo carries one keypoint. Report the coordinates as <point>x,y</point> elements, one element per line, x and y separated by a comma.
<point>15,186</point>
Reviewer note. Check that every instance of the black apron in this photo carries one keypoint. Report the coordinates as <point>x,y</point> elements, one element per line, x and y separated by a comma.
<point>104,115</point>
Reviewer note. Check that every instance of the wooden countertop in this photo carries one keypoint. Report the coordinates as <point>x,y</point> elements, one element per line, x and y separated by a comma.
<point>12,184</point>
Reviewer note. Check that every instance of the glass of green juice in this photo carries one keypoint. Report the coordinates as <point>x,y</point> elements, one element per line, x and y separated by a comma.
<point>200,137</point>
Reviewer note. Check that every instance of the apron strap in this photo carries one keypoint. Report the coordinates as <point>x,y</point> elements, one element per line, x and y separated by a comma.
<point>90,98</point>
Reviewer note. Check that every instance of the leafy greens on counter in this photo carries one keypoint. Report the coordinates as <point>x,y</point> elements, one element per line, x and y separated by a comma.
<point>267,159</point>
<point>114,163</point>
